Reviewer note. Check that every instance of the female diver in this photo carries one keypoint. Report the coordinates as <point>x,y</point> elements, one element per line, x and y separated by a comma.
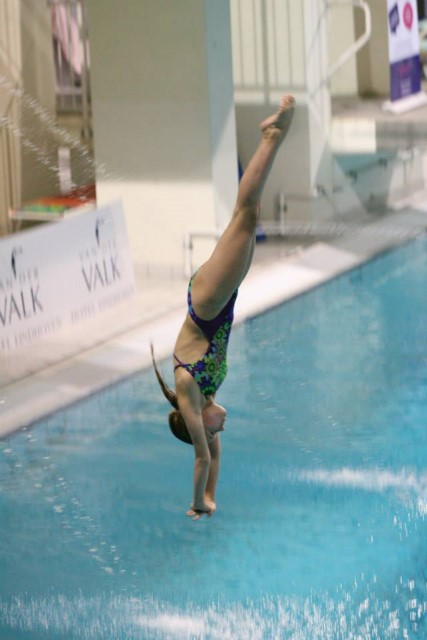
<point>201,346</point>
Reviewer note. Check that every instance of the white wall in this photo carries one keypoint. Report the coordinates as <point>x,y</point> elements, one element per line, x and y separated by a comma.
<point>373,70</point>
<point>163,119</point>
<point>221,109</point>
<point>341,36</point>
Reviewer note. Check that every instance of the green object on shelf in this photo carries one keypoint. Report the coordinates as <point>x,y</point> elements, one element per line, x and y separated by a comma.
<point>51,208</point>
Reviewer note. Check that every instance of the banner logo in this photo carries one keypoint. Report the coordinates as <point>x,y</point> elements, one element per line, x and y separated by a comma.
<point>98,224</point>
<point>99,263</point>
<point>13,261</point>
<point>404,49</point>
<point>393,18</point>
<point>19,296</point>
<point>408,16</point>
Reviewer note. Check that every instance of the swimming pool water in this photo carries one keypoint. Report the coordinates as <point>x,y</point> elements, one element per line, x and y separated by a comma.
<point>321,524</point>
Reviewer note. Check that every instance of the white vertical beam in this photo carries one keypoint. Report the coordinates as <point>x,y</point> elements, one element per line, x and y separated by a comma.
<point>221,109</point>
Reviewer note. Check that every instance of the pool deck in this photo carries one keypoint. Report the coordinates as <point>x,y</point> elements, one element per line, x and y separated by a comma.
<point>37,380</point>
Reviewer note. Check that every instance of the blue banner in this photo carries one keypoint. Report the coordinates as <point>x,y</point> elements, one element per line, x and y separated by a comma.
<point>405,78</point>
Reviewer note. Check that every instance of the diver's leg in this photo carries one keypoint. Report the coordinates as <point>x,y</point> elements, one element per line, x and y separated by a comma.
<point>231,258</point>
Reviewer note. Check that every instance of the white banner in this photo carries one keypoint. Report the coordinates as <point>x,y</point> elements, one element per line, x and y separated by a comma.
<point>403,39</point>
<point>62,273</point>
<point>404,48</point>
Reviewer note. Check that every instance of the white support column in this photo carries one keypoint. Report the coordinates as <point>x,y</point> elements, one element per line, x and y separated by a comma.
<point>221,109</point>
<point>318,93</point>
<point>163,120</point>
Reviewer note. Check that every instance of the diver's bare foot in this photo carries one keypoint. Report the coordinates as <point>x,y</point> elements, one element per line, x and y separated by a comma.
<point>277,125</point>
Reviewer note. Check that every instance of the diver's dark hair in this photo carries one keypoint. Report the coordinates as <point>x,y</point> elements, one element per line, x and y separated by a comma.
<point>176,421</point>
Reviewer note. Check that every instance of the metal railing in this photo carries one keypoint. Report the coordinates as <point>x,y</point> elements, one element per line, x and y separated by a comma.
<point>269,51</point>
<point>268,45</point>
<point>72,58</point>
<point>360,42</point>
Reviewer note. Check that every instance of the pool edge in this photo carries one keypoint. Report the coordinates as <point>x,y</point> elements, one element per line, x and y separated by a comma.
<point>57,386</point>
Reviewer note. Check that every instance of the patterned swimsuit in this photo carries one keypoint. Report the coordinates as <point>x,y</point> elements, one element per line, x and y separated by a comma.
<point>209,372</point>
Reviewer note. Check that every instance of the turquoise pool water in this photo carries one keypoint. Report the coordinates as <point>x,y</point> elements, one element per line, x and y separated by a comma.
<point>321,527</point>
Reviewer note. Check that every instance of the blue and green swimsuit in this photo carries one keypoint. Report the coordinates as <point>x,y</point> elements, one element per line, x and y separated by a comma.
<point>209,372</point>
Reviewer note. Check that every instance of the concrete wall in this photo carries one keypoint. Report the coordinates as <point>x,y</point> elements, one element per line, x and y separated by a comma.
<point>341,36</point>
<point>367,73</point>
<point>373,73</point>
<point>164,119</point>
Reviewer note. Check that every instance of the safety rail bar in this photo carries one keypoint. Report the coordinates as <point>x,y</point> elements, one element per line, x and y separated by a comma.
<point>360,42</point>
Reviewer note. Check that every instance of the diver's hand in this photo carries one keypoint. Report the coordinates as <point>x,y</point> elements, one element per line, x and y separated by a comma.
<point>207,509</point>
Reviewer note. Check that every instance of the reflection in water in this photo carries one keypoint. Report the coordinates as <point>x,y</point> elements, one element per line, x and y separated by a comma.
<point>320,534</point>
<point>406,483</point>
<point>369,610</point>
<point>356,615</point>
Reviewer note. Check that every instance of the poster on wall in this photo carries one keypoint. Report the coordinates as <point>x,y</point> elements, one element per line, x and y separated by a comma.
<point>62,274</point>
<point>404,56</point>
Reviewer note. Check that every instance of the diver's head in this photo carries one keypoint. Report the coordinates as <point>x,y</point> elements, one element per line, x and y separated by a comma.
<point>213,415</point>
